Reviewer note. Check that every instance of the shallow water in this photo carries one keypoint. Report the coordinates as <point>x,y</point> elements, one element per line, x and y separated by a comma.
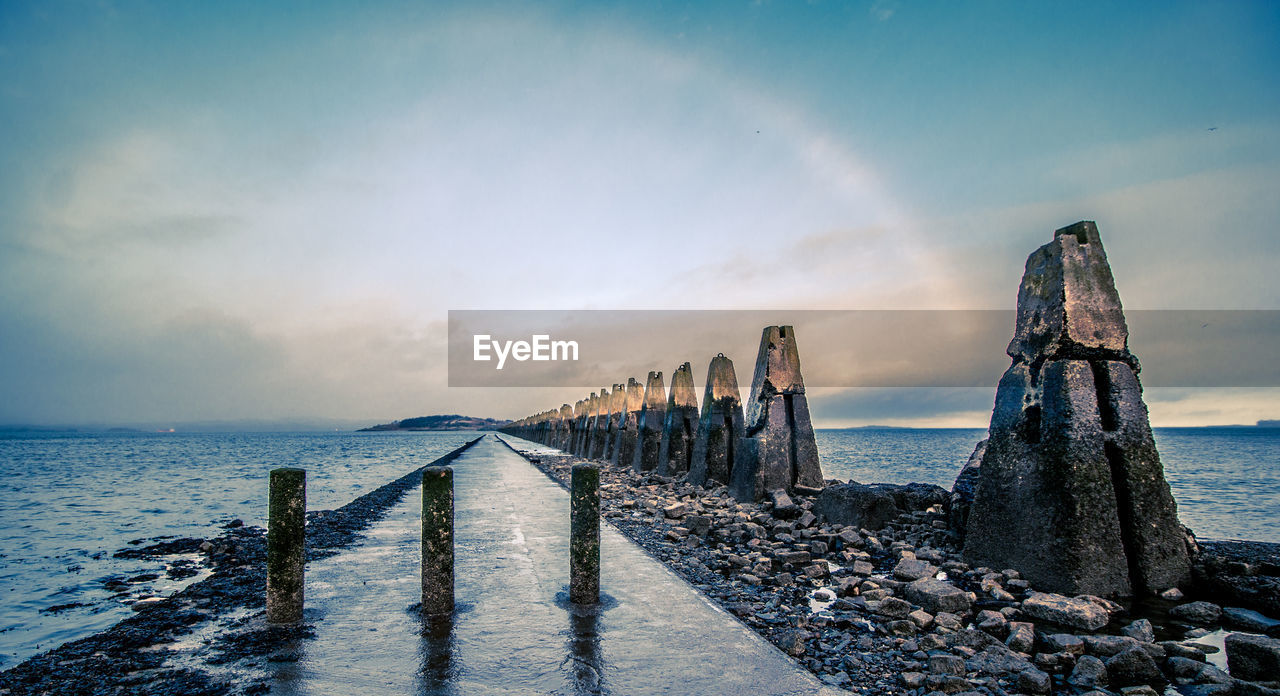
<point>68,501</point>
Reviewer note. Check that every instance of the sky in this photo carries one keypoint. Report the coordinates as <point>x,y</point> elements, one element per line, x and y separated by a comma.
<point>238,211</point>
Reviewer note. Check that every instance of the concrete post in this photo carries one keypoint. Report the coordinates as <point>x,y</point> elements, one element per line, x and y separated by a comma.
<point>286,543</point>
<point>437,540</point>
<point>584,535</point>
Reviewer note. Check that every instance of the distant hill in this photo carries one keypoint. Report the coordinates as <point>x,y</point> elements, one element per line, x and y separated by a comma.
<point>1269,424</point>
<point>449,422</point>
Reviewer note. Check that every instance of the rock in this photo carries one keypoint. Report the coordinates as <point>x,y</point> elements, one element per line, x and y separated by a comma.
<point>679,424</point>
<point>1064,643</point>
<point>720,427</point>
<point>909,569</point>
<point>1176,649</point>
<point>778,448</point>
<point>792,643</point>
<point>1248,620</point>
<point>1022,636</point>
<point>1140,690</point>
<point>1070,453</point>
<point>1183,670</point>
<point>1141,631</point>
<point>698,524</point>
<point>1199,613</point>
<point>1088,672</point>
<point>650,424</point>
<point>1133,666</point>
<point>947,620</point>
<point>901,627</point>
<point>816,570</point>
<point>862,568</point>
<point>1066,611</point>
<point>1253,658</point>
<point>997,660</point>
<point>962,490</point>
<point>913,680</point>
<point>946,664</point>
<point>1034,681</point>
<point>993,622</point>
<point>1106,646</point>
<point>793,557</point>
<point>1172,594</point>
<point>937,596</point>
<point>922,618</point>
<point>856,505</point>
<point>894,607</point>
<point>783,507</point>
<point>675,511</point>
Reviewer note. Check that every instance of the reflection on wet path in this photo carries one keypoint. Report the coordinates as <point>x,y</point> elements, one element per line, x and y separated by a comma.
<point>513,632</point>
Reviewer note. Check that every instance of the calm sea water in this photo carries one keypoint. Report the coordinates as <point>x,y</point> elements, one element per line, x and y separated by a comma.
<point>69,500</point>
<point>1226,480</point>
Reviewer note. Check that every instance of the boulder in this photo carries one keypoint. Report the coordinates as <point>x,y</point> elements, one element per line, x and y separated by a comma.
<point>778,448</point>
<point>1132,667</point>
<point>1070,488</point>
<point>1066,611</point>
<point>1253,658</point>
<point>784,508</point>
<point>909,569</point>
<point>1198,613</point>
<point>937,596</point>
<point>856,505</point>
<point>1088,672</point>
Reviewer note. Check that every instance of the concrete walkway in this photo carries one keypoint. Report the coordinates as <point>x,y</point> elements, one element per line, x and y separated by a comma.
<point>513,632</point>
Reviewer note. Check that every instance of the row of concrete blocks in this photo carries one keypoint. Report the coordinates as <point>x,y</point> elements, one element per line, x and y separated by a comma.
<point>286,541</point>
<point>769,447</point>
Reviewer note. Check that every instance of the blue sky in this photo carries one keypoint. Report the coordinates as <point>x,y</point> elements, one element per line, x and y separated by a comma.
<point>235,210</point>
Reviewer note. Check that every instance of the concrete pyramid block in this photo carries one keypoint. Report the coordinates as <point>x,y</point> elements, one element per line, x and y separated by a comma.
<point>650,424</point>
<point>680,425</point>
<point>778,449</point>
<point>720,426</point>
<point>628,425</point>
<point>1070,490</point>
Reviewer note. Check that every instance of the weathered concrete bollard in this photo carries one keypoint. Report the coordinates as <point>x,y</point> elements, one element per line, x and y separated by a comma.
<point>680,424</point>
<point>437,540</point>
<point>584,535</point>
<point>624,441</point>
<point>720,428</point>
<point>778,450</point>
<point>1070,490</point>
<point>649,425</point>
<point>286,544</point>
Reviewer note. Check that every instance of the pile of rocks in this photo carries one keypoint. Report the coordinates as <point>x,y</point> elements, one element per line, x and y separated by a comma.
<point>888,606</point>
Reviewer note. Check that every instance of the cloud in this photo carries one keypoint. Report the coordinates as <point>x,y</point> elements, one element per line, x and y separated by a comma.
<point>882,10</point>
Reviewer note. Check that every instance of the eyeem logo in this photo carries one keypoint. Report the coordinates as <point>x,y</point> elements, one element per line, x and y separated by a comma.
<point>541,348</point>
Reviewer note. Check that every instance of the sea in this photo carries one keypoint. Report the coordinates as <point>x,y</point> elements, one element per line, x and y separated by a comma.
<point>69,501</point>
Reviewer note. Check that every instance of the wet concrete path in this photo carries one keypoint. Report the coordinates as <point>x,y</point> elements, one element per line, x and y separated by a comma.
<point>513,632</point>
